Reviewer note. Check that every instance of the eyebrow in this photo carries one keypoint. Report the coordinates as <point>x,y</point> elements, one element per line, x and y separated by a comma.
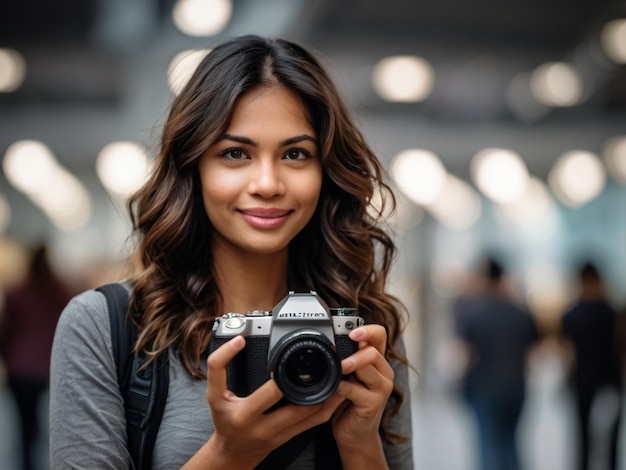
<point>297,139</point>
<point>283,143</point>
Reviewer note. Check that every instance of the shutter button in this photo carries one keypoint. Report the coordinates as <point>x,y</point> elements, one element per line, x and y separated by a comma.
<point>234,323</point>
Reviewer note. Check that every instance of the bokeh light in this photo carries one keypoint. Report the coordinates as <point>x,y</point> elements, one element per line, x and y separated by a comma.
<point>500,174</point>
<point>613,39</point>
<point>12,70</point>
<point>557,84</point>
<point>419,174</point>
<point>122,167</point>
<point>31,167</point>
<point>577,177</point>
<point>201,17</point>
<point>403,78</point>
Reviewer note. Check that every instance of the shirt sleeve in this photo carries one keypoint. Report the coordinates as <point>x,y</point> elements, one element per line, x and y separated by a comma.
<point>87,419</point>
<point>400,455</point>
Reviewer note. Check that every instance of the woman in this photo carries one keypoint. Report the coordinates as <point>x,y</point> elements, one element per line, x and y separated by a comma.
<point>262,186</point>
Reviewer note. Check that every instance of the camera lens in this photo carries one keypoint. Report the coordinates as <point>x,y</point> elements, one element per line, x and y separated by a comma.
<point>306,367</point>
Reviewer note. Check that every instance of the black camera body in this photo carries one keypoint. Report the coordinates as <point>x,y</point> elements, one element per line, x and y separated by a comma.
<point>300,344</point>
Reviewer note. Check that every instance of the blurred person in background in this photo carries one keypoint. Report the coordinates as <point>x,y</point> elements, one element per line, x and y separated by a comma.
<point>27,323</point>
<point>497,333</point>
<point>590,327</point>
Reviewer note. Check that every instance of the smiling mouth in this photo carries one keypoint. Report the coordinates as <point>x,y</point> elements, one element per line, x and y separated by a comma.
<point>265,218</point>
<point>265,213</point>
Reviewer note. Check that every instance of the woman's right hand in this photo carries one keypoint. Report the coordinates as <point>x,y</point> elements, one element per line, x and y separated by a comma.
<point>243,434</point>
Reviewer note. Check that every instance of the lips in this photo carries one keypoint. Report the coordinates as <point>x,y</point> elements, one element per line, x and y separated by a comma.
<point>260,217</point>
<point>265,212</point>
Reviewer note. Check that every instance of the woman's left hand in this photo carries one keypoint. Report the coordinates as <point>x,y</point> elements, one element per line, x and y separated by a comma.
<point>370,385</point>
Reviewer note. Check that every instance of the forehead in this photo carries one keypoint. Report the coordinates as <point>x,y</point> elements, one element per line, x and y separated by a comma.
<point>271,106</point>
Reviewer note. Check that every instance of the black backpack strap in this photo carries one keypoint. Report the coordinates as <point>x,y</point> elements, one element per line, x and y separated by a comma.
<point>281,457</point>
<point>145,391</point>
<point>326,451</point>
<point>123,331</point>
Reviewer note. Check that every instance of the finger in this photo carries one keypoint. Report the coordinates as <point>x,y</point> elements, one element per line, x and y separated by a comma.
<point>263,398</point>
<point>375,335</point>
<point>361,400</point>
<point>318,414</point>
<point>365,357</point>
<point>373,379</point>
<point>217,362</point>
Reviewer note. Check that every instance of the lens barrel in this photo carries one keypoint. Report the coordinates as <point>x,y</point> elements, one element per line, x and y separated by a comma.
<point>306,367</point>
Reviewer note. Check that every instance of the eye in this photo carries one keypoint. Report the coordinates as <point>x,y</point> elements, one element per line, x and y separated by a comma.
<point>296,154</point>
<point>234,154</point>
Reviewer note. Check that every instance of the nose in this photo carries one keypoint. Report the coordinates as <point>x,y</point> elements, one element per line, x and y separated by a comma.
<point>266,179</point>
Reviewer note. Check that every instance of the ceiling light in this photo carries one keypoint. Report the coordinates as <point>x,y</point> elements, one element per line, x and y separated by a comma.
<point>201,17</point>
<point>577,177</point>
<point>500,174</point>
<point>29,165</point>
<point>12,70</point>
<point>419,174</point>
<point>557,84</point>
<point>613,40</point>
<point>32,168</point>
<point>122,167</point>
<point>403,79</point>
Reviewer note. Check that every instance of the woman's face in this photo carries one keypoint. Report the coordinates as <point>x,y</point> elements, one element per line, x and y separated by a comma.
<point>261,180</point>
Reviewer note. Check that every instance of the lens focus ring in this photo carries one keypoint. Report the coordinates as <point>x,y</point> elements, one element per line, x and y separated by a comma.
<point>306,368</point>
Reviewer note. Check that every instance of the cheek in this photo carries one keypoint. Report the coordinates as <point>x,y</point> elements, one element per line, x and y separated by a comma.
<point>307,190</point>
<point>214,196</point>
<point>217,186</point>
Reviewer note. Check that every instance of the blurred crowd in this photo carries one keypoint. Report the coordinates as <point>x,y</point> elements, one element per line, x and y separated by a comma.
<point>498,336</point>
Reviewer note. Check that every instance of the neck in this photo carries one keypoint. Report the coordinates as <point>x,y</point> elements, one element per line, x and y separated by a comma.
<point>250,281</point>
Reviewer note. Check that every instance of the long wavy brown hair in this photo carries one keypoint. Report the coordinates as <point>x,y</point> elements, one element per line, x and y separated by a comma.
<point>344,253</point>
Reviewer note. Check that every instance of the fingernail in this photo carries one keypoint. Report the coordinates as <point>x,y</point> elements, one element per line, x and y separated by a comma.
<point>238,342</point>
<point>356,335</point>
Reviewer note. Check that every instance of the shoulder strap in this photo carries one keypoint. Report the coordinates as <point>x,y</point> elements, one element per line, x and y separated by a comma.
<point>281,457</point>
<point>123,331</point>
<point>326,451</point>
<point>145,391</point>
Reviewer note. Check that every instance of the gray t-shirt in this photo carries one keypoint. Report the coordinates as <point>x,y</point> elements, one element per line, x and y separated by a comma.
<point>87,422</point>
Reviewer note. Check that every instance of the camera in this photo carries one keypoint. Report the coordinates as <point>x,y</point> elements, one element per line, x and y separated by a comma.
<point>300,344</point>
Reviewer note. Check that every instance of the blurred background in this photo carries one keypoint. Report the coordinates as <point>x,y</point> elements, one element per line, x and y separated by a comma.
<point>502,126</point>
